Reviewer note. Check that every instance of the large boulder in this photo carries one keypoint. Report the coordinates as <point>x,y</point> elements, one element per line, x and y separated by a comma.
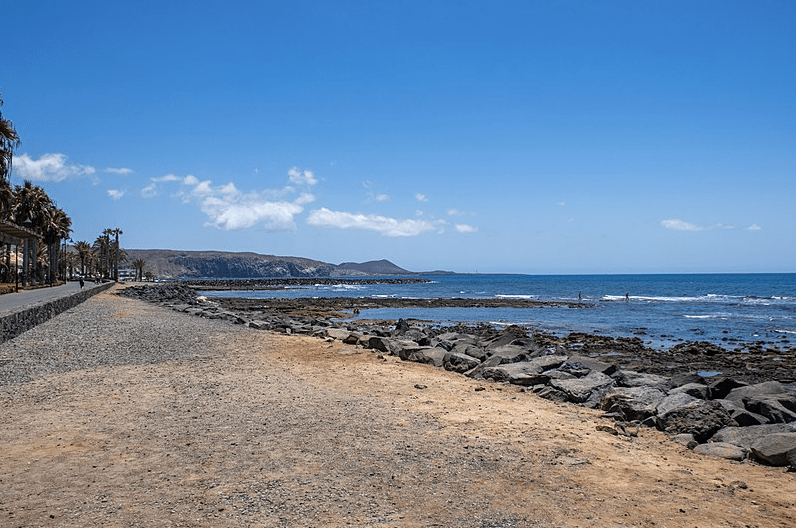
<point>772,399</point>
<point>697,390</point>
<point>721,386</point>
<point>722,450</point>
<point>631,378</point>
<point>776,449</point>
<point>430,355</point>
<point>338,333</point>
<point>580,366</point>
<point>382,344</point>
<point>447,340</point>
<point>512,334</point>
<point>698,417</point>
<point>746,436</point>
<point>525,373</point>
<point>634,403</point>
<point>458,362</point>
<point>404,352</point>
<point>585,389</point>
<point>674,401</point>
<point>508,353</point>
<point>549,393</point>
<point>470,350</point>
<point>741,416</point>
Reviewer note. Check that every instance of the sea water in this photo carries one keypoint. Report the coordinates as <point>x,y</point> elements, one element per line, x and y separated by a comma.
<point>725,309</point>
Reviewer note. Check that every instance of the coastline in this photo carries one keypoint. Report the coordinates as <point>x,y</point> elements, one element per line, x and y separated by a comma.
<point>755,364</point>
<point>142,415</point>
<point>746,405</point>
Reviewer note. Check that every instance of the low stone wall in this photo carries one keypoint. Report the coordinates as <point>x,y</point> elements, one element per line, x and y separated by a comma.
<point>14,324</point>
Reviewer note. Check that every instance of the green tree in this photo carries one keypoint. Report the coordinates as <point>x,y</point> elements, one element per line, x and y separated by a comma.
<point>9,140</point>
<point>100,250</point>
<point>6,200</point>
<point>138,266</point>
<point>118,254</point>
<point>6,210</point>
<point>83,249</point>
<point>31,204</point>
<point>57,226</point>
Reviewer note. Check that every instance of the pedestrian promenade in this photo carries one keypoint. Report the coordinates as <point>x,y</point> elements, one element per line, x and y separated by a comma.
<point>15,302</point>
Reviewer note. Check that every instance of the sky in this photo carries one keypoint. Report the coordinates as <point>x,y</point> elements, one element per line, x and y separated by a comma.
<point>495,137</point>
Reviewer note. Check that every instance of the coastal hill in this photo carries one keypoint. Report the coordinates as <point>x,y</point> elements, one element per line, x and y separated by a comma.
<point>167,263</point>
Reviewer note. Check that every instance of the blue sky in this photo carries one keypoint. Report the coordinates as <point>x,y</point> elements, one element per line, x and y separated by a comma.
<point>518,137</point>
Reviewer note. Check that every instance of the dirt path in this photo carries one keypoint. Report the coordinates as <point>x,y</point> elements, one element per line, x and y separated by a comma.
<point>256,429</point>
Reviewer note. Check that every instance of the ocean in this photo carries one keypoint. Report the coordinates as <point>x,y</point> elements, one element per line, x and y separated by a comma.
<point>725,309</point>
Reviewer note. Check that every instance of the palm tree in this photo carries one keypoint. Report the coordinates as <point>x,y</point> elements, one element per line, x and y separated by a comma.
<point>6,199</point>
<point>9,140</point>
<point>30,210</point>
<point>100,250</point>
<point>108,254</point>
<point>57,226</point>
<point>117,253</point>
<point>138,266</point>
<point>69,263</point>
<point>6,210</point>
<point>83,249</point>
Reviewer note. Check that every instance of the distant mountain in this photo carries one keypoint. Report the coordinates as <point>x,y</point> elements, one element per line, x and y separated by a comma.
<point>374,267</point>
<point>168,263</point>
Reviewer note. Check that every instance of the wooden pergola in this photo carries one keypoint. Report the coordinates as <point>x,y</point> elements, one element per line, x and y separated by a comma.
<point>16,235</point>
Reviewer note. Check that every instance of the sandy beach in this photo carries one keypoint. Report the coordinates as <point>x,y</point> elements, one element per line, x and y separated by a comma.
<point>123,413</point>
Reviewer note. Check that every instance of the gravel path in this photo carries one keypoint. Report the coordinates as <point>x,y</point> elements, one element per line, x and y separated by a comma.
<point>99,334</point>
<point>122,413</point>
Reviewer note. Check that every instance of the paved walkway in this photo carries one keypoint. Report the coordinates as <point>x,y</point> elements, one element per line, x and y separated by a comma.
<point>14,302</point>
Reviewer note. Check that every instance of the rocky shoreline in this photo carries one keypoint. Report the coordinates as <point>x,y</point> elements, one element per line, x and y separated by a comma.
<point>729,404</point>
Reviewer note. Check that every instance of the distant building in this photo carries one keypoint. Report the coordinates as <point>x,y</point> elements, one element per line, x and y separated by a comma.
<point>126,274</point>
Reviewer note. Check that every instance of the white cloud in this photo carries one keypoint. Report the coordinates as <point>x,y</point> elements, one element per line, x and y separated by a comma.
<point>118,170</point>
<point>386,226</point>
<point>420,197</point>
<point>230,209</point>
<point>305,177</point>
<point>464,228</point>
<point>150,191</point>
<point>116,194</point>
<point>49,167</point>
<point>754,227</point>
<point>561,204</point>
<point>246,212</point>
<point>456,212</point>
<point>168,178</point>
<point>382,197</point>
<point>680,225</point>
<point>304,199</point>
